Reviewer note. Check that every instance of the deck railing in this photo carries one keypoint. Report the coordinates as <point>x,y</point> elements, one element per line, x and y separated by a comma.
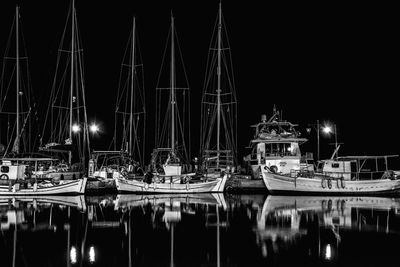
<point>361,175</point>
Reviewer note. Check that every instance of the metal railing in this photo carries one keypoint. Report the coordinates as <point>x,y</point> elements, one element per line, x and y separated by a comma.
<point>361,175</point>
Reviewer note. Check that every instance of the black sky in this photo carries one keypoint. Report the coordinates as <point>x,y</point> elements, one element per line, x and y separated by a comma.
<point>327,61</point>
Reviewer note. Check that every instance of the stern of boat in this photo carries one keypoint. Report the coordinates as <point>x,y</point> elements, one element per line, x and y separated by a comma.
<point>82,185</point>
<point>220,186</point>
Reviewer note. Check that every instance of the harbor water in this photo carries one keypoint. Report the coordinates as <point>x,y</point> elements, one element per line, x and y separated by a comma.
<point>199,230</point>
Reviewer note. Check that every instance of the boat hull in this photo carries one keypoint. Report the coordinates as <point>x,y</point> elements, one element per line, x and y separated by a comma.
<point>70,187</point>
<point>77,201</point>
<point>324,203</point>
<point>135,200</point>
<point>135,186</point>
<point>276,183</point>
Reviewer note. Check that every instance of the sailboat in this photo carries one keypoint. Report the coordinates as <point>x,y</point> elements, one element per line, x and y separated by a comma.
<point>218,137</point>
<point>130,122</point>
<point>16,176</point>
<point>169,163</point>
<point>65,130</point>
<point>16,106</point>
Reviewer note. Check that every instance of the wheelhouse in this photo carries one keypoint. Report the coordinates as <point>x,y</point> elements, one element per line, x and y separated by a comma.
<point>357,167</point>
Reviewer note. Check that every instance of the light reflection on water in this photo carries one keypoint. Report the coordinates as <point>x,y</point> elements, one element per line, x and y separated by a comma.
<point>199,230</point>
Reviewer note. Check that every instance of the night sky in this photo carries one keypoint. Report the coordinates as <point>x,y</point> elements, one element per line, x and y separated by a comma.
<point>328,62</point>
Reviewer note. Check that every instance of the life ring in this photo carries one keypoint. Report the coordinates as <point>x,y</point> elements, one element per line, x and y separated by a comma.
<point>4,177</point>
<point>342,182</point>
<point>329,183</point>
<point>323,183</point>
<point>184,180</point>
<point>146,186</point>
<point>273,169</point>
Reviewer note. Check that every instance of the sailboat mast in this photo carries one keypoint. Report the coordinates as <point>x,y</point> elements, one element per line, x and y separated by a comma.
<point>172,92</point>
<point>18,74</point>
<point>72,77</point>
<point>219,83</point>
<point>132,87</point>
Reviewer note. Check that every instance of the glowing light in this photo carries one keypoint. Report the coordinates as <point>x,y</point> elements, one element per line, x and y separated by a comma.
<point>94,128</point>
<point>327,129</point>
<point>92,255</point>
<point>73,255</point>
<point>76,128</point>
<point>328,252</point>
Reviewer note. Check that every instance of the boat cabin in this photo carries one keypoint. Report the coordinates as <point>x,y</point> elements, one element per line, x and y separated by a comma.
<point>111,164</point>
<point>165,161</point>
<point>39,166</point>
<point>276,144</point>
<point>338,168</point>
<point>357,167</point>
<point>9,171</point>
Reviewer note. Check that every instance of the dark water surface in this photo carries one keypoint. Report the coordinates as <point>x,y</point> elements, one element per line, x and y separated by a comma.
<point>199,230</point>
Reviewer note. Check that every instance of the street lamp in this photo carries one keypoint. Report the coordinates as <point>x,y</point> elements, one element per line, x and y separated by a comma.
<point>94,128</point>
<point>76,128</point>
<point>329,129</point>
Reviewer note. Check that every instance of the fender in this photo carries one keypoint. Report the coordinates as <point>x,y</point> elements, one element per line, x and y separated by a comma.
<point>4,177</point>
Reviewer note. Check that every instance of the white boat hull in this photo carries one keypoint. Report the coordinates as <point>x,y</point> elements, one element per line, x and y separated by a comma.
<point>282,183</point>
<point>134,200</point>
<point>77,201</point>
<point>65,187</point>
<point>274,203</point>
<point>135,186</point>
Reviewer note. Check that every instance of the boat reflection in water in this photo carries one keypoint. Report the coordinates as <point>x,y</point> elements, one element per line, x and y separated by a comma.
<point>198,230</point>
<point>345,231</point>
<point>32,225</point>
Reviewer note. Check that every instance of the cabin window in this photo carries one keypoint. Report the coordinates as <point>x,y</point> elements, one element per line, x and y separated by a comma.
<point>335,165</point>
<point>268,148</point>
<point>5,169</point>
<point>275,148</point>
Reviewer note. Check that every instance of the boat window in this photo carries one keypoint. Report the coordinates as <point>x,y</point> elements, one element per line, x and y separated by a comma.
<point>275,149</point>
<point>268,149</point>
<point>5,169</point>
<point>335,165</point>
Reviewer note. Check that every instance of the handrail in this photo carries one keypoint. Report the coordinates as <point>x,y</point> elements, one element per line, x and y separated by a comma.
<point>338,175</point>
